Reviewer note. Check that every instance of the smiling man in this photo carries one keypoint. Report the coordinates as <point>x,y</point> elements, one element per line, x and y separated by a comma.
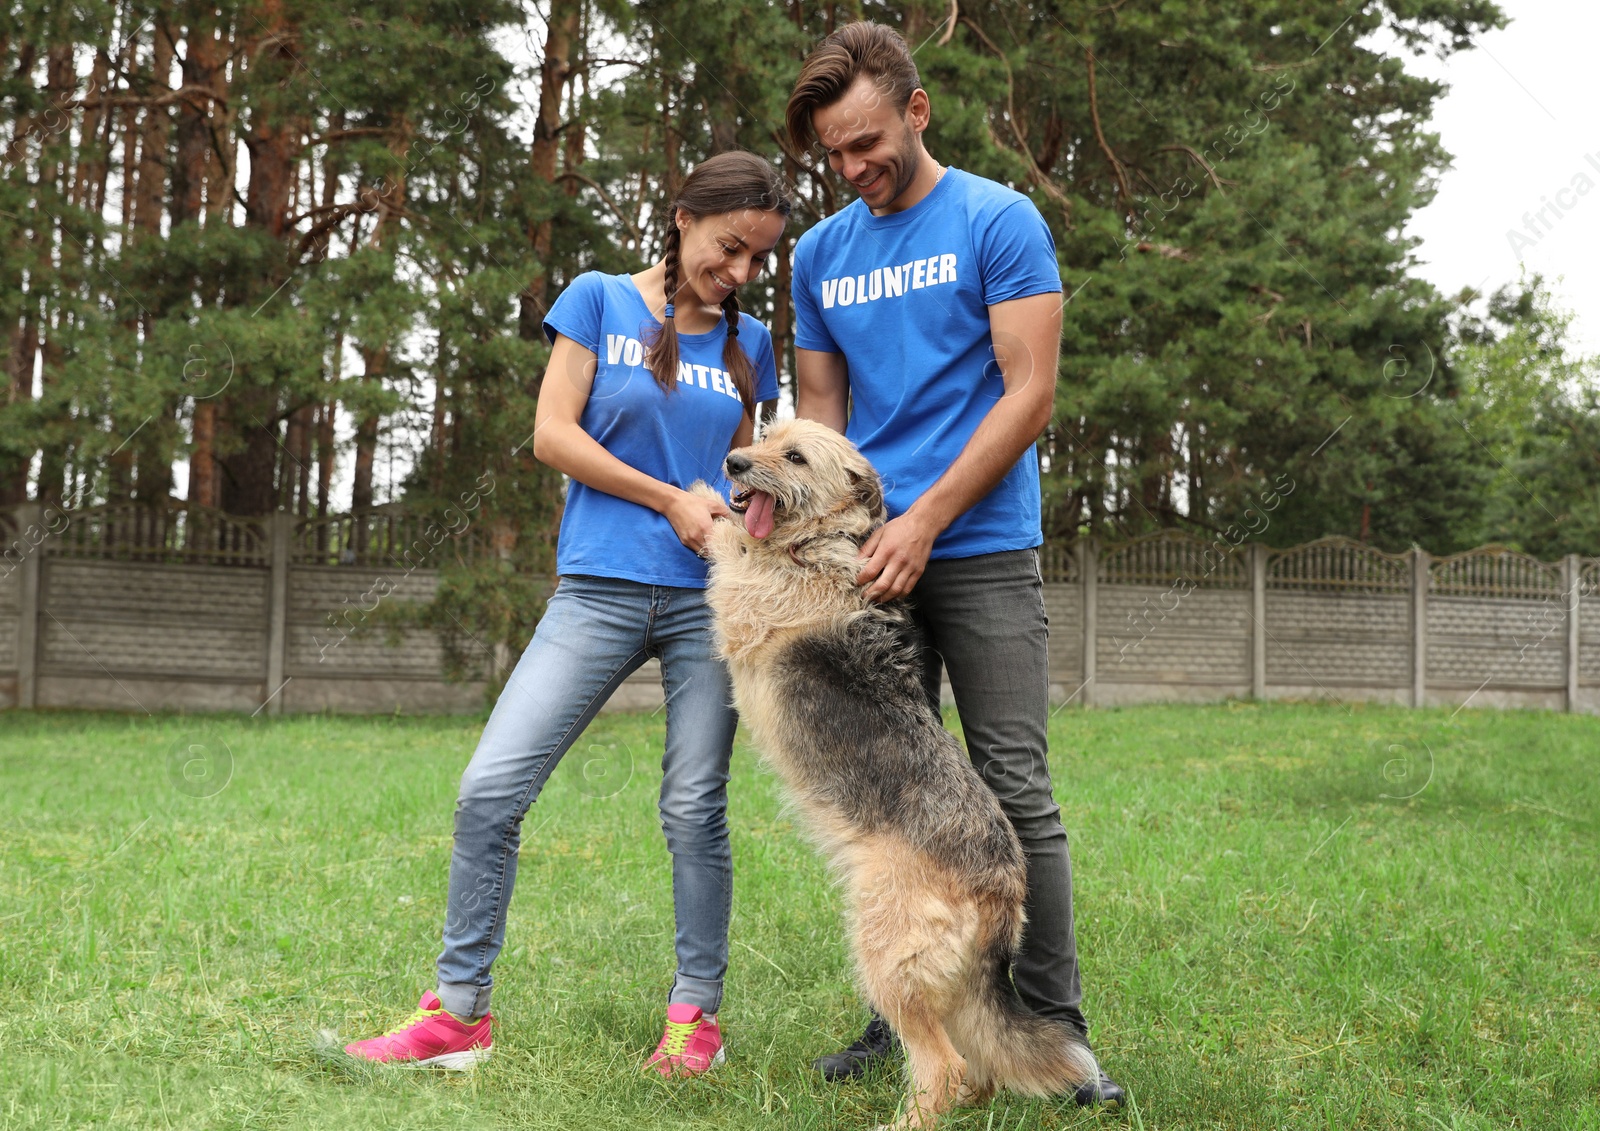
<point>927,327</point>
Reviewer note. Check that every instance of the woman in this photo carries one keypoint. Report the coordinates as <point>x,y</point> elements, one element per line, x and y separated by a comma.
<point>652,379</point>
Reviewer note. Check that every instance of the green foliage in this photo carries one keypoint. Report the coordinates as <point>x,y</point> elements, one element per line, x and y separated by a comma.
<point>1533,408</point>
<point>1228,185</point>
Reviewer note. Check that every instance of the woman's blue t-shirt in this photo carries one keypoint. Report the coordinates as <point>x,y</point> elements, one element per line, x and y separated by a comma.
<point>676,437</point>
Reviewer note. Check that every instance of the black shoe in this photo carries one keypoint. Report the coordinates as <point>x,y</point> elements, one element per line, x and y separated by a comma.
<point>877,1046</point>
<point>1105,1090</point>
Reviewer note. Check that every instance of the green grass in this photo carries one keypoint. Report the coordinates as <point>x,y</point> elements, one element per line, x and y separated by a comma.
<point>1268,940</point>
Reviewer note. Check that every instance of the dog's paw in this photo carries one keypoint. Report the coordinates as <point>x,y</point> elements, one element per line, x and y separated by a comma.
<point>703,490</point>
<point>723,543</point>
<point>969,1096</point>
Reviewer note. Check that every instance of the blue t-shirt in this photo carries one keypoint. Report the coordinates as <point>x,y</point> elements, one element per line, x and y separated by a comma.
<point>676,437</point>
<point>905,298</point>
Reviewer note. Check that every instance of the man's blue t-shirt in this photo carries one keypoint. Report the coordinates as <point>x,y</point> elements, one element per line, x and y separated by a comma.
<point>676,437</point>
<point>904,298</point>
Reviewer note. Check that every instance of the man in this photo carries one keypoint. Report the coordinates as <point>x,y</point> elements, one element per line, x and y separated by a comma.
<point>927,328</point>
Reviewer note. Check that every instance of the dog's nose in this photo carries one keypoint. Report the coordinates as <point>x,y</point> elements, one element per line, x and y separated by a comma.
<point>737,464</point>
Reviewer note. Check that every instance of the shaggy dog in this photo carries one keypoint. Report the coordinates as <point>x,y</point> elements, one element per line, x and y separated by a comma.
<point>830,687</point>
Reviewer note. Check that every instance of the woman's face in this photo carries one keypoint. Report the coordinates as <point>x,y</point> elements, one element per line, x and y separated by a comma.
<point>721,252</point>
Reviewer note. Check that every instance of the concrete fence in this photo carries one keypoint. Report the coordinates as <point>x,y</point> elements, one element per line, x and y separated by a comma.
<point>1172,617</point>
<point>180,607</point>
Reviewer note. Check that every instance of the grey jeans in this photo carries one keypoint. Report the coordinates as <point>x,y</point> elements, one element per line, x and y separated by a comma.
<point>982,620</point>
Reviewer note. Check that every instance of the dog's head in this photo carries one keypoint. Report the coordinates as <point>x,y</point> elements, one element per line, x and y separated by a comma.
<point>803,479</point>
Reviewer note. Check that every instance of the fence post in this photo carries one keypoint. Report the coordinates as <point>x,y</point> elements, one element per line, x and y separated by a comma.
<point>1571,579</point>
<point>280,533</point>
<point>1419,627</point>
<point>28,515</point>
<point>1258,621</point>
<point>1088,550</point>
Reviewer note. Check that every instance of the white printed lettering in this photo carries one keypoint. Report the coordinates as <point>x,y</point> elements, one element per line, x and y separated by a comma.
<point>716,380</point>
<point>892,281</point>
<point>633,354</point>
<point>614,346</point>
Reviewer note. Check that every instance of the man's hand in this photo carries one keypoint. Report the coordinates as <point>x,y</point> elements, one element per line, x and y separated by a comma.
<point>895,556</point>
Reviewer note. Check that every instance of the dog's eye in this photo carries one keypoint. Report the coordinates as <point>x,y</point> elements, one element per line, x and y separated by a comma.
<point>793,456</point>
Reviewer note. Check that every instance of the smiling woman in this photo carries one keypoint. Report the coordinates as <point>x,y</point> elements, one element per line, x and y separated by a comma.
<point>725,223</point>
<point>631,588</point>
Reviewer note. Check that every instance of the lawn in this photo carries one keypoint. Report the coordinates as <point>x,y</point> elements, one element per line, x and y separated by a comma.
<point>1290,916</point>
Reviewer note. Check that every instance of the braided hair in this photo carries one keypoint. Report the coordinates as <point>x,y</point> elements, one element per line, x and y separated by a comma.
<point>661,345</point>
<point>734,360</point>
<point>729,182</point>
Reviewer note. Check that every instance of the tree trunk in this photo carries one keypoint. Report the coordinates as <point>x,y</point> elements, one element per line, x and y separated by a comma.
<point>152,464</point>
<point>366,452</point>
<point>440,433</point>
<point>251,463</point>
<point>725,126</point>
<point>202,460</point>
<point>194,137</point>
<point>325,455</point>
<point>247,473</point>
<point>222,150</point>
<point>297,482</point>
<point>671,180</point>
<point>155,128</point>
<point>561,28</point>
<point>19,368</point>
<point>90,173</point>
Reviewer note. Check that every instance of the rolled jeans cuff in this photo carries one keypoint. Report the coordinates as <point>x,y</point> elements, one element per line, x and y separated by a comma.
<point>463,999</point>
<point>696,991</point>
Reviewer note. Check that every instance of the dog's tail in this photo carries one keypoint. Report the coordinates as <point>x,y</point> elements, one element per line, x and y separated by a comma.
<point>1006,1044</point>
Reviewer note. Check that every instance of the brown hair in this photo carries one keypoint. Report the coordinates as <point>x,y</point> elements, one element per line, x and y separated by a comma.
<point>861,48</point>
<point>728,182</point>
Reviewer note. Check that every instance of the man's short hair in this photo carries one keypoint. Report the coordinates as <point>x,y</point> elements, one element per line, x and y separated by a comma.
<point>861,48</point>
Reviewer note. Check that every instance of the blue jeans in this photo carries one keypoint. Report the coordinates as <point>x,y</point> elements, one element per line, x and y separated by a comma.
<point>594,633</point>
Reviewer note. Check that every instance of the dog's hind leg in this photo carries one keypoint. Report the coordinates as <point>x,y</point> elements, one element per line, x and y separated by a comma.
<point>937,1070</point>
<point>914,940</point>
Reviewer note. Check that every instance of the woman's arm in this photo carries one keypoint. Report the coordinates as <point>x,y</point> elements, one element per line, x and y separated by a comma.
<point>746,431</point>
<point>560,442</point>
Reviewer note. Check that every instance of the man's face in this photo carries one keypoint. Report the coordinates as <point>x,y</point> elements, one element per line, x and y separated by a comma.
<point>871,144</point>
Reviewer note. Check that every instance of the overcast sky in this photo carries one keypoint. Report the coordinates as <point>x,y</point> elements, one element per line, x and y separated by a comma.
<point>1523,120</point>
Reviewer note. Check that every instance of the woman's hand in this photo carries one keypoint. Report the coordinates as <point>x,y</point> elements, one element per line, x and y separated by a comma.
<point>691,517</point>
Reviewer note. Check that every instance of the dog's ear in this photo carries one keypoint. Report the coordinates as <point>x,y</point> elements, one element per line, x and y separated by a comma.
<point>869,492</point>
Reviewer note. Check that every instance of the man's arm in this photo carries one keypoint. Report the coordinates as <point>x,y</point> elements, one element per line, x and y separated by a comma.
<point>822,388</point>
<point>1027,345</point>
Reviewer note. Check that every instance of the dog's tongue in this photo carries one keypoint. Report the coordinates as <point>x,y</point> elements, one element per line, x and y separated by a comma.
<point>758,515</point>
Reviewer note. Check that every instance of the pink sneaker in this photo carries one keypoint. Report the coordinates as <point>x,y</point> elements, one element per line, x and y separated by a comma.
<point>429,1036</point>
<point>691,1044</point>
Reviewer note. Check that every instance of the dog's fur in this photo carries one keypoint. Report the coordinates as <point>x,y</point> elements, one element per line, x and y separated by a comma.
<point>830,687</point>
